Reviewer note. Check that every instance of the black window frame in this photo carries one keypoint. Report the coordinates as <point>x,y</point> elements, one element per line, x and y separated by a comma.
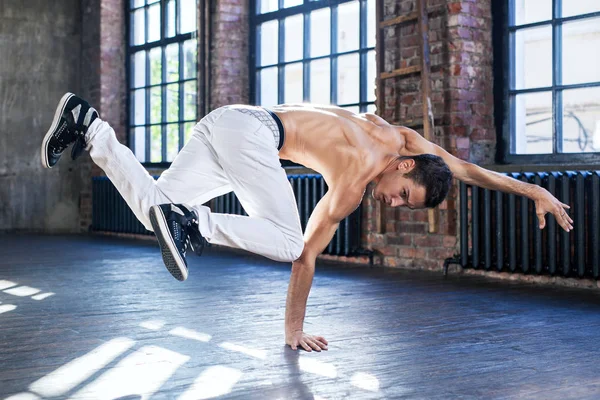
<point>164,41</point>
<point>503,41</point>
<point>304,9</point>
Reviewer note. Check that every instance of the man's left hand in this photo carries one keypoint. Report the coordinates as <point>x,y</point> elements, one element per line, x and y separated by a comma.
<point>546,203</point>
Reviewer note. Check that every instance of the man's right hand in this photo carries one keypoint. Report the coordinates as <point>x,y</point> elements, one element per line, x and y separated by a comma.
<point>306,341</point>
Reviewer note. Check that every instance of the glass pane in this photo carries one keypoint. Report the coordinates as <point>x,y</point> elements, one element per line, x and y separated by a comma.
<point>188,131</point>
<point>269,42</point>
<point>320,88</point>
<point>371,108</point>
<point>348,27</point>
<point>528,11</point>
<point>268,6</point>
<point>152,1</point>
<point>187,14</point>
<point>155,143</point>
<point>533,58</point>
<point>320,32</point>
<point>190,100</point>
<point>293,83</point>
<point>138,21</point>
<point>155,105</point>
<point>581,51</point>
<point>371,20</point>
<point>575,7</point>
<point>139,137</point>
<point>173,102</point>
<point>190,51</point>
<point>348,82</point>
<point>138,69</point>
<point>172,56</point>
<point>354,109</point>
<point>581,120</point>
<point>136,3</point>
<point>172,141</point>
<point>533,123</point>
<point>171,19</point>
<point>154,23</point>
<point>139,107</point>
<point>292,3</point>
<point>371,75</point>
<point>268,87</point>
<point>155,66</point>
<point>294,37</point>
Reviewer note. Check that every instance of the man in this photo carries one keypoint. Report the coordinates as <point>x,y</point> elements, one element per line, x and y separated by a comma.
<point>238,148</point>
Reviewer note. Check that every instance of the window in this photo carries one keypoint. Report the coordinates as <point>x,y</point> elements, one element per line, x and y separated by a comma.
<point>163,77</point>
<point>314,51</point>
<point>553,86</point>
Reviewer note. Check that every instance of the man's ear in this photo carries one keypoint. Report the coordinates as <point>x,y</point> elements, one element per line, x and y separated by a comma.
<point>406,165</point>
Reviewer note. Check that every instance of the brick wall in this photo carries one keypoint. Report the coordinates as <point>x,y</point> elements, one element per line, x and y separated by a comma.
<point>462,97</point>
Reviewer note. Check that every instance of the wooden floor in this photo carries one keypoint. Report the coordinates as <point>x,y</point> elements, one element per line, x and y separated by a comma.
<point>117,325</point>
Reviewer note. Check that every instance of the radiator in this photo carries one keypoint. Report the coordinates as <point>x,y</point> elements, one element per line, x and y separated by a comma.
<point>500,231</point>
<point>308,190</point>
<point>110,213</point>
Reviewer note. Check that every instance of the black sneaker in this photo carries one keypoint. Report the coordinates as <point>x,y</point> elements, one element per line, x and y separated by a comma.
<point>72,119</point>
<point>176,228</point>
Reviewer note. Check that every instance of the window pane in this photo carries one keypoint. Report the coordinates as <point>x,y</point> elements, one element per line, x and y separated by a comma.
<point>533,123</point>
<point>138,69</point>
<point>155,105</point>
<point>188,131</point>
<point>371,75</point>
<point>155,66</point>
<point>138,20</point>
<point>528,11</point>
<point>154,23</point>
<point>320,32</point>
<point>187,14</point>
<point>139,137</point>
<point>139,107</point>
<point>293,83</point>
<point>136,3</point>
<point>348,79</point>
<point>292,3</point>
<point>581,51</point>
<point>533,58</point>
<point>294,38</point>
<point>371,20</point>
<point>268,6</point>
<point>268,87</point>
<point>190,53</point>
<point>152,1</point>
<point>354,109</point>
<point>348,23</point>
<point>268,43</point>
<point>574,7</point>
<point>581,120</point>
<point>171,19</point>
<point>173,102</point>
<point>172,56</point>
<point>172,141</point>
<point>155,144</point>
<point>320,77</point>
<point>190,100</point>
<point>371,108</point>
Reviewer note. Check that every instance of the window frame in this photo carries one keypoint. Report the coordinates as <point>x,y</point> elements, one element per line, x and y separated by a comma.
<point>162,43</point>
<point>503,42</point>
<point>304,9</point>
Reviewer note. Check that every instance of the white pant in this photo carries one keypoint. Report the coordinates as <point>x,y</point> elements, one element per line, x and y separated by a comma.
<point>228,151</point>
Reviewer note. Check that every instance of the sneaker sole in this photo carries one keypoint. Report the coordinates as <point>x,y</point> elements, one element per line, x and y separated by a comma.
<point>57,114</point>
<point>171,257</point>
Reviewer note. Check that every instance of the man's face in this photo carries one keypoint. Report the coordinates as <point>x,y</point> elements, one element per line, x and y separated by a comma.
<point>396,190</point>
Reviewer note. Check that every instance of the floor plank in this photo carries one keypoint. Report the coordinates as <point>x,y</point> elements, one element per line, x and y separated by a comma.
<point>119,326</point>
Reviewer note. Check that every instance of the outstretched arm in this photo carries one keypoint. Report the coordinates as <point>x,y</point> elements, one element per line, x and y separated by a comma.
<point>475,175</point>
<point>321,227</point>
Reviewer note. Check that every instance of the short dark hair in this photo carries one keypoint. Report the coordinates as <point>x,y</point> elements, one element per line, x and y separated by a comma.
<point>433,174</point>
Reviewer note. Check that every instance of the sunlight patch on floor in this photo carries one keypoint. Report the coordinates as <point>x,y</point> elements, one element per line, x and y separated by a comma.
<point>213,382</point>
<point>365,381</point>
<point>256,353</point>
<point>317,367</point>
<point>6,284</point>
<point>42,296</point>
<point>6,308</point>
<point>190,334</point>
<point>153,325</point>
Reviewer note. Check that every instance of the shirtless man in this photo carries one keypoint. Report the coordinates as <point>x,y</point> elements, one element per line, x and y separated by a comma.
<point>238,148</point>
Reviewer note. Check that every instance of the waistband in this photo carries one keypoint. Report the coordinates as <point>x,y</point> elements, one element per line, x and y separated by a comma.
<point>279,126</point>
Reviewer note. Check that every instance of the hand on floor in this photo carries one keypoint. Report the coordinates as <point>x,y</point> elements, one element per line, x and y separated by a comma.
<point>306,341</point>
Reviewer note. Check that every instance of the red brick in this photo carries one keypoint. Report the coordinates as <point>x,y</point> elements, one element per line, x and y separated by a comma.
<point>428,241</point>
<point>400,239</point>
